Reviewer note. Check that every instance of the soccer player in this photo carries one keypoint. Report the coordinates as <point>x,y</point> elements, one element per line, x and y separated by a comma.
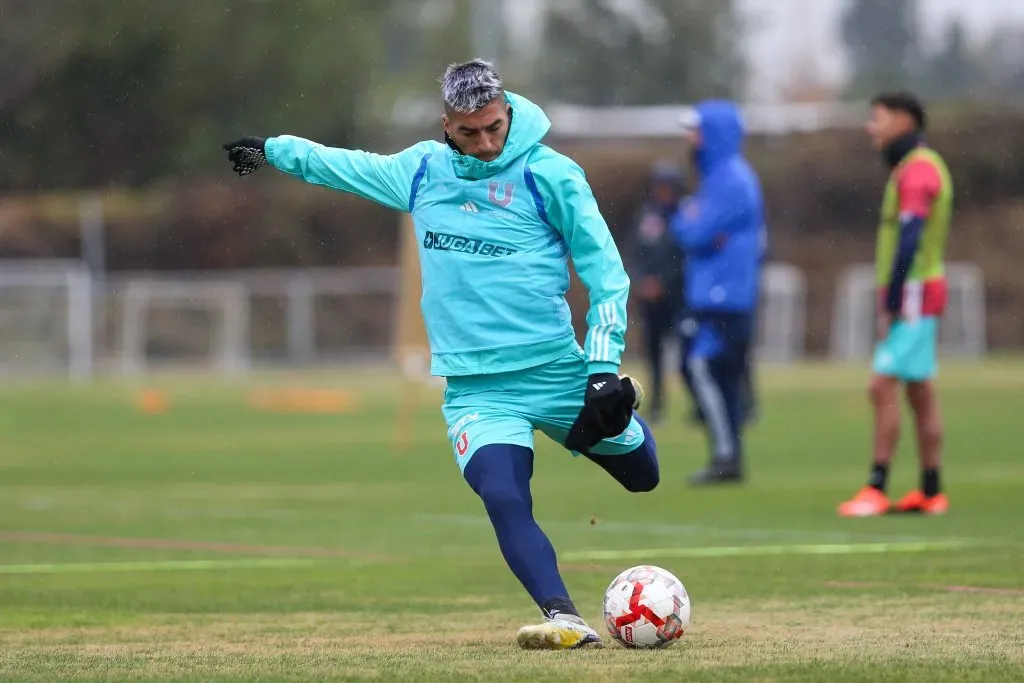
<point>911,245</point>
<point>497,216</point>
<point>721,229</point>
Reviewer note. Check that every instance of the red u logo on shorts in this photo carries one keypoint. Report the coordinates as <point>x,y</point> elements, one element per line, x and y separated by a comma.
<point>462,445</point>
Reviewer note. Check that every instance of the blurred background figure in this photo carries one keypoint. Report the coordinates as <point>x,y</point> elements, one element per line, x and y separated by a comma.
<point>721,229</point>
<point>657,275</point>
<point>914,226</point>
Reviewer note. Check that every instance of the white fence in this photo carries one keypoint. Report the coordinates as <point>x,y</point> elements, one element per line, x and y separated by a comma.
<point>961,334</point>
<point>54,318</point>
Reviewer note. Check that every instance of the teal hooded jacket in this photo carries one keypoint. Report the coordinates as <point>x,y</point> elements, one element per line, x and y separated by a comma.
<point>495,239</point>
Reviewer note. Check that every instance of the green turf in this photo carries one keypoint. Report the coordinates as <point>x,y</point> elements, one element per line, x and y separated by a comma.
<point>217,543</point>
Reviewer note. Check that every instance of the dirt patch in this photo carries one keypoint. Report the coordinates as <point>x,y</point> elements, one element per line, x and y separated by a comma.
<point>918,640</point>
<point>296,632</point>
<point>737,632</point>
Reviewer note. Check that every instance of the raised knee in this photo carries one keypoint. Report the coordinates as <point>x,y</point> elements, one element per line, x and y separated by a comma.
<point>644,484</point>
<point>644,480</point>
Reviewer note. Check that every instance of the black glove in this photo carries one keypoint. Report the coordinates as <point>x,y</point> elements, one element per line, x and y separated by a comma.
<point>607,410</point>
<point>247,154</point>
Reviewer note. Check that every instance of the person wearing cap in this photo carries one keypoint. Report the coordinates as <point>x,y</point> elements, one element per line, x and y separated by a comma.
<point>658,273</point>
<point>722,232</point>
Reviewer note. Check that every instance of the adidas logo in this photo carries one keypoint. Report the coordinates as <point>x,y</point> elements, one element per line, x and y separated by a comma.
<point>599,386</point>
<point>470,207</point>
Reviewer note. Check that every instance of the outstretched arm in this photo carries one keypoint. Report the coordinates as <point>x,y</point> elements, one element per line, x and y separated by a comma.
<point>567,203</point>
<point>389,179</point>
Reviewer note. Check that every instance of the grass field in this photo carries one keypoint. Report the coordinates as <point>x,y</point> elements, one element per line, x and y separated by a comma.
<point>215,543</point>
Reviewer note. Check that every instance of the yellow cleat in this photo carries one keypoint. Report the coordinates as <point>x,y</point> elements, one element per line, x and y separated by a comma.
<point>566,632</point>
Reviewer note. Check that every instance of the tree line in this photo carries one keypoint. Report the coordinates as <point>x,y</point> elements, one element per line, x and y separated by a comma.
<point>127,93</point>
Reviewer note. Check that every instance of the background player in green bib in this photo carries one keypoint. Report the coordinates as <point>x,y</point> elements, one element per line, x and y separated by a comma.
<point>916,212</point>
<point>497,217</point>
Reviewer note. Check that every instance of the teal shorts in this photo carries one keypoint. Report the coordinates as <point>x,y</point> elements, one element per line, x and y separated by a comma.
<point>506,408</point>
<point>909,352</point>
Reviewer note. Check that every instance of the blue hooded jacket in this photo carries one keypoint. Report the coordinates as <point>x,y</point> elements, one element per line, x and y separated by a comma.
<point>721,227</point>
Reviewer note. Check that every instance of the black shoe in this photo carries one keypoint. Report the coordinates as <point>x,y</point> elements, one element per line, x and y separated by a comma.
<point>716,473</point>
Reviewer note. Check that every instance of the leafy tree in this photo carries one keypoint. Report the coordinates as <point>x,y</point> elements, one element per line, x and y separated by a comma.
<point>135,91</point>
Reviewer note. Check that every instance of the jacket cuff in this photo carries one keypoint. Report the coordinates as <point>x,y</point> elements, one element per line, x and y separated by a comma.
<point>268,150</point>
<point>597,367</point>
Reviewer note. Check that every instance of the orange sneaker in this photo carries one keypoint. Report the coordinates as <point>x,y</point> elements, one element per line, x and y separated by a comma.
<point>915,501</point>
<point>868,502</point>
<point>936,505</point>
<point>912,502</point>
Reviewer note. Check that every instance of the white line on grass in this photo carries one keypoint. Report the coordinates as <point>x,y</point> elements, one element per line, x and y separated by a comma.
<point>753,550</point>
<point>158,565</point>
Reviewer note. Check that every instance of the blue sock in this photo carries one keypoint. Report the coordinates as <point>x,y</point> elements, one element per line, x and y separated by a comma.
<point>500,475</point>
<point>637,470</point>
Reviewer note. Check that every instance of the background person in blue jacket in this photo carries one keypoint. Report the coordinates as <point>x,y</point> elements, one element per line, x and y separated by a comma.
<point>498,215</point>
<point>721,230</point>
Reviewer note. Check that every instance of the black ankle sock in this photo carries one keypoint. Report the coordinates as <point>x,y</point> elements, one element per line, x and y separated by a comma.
<point>560,605</point>
<point>879,473</point>
<point>930,482</point>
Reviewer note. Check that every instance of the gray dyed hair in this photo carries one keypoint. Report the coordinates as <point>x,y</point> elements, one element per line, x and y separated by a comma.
<point>470,86</point>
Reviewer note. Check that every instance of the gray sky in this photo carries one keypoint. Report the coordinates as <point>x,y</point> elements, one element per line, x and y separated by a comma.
<point>787,32</point>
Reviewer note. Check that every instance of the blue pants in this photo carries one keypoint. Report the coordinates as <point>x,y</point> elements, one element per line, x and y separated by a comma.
<point>500,474</point>
<point>716,362</point>
<point>748,398</point>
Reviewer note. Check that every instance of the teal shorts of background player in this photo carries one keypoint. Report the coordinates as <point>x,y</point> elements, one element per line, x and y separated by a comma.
<point>506,408</point>
<point>909,350</point>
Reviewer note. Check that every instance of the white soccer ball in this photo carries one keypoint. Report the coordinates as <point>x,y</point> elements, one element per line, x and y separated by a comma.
<point>646,607</point>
